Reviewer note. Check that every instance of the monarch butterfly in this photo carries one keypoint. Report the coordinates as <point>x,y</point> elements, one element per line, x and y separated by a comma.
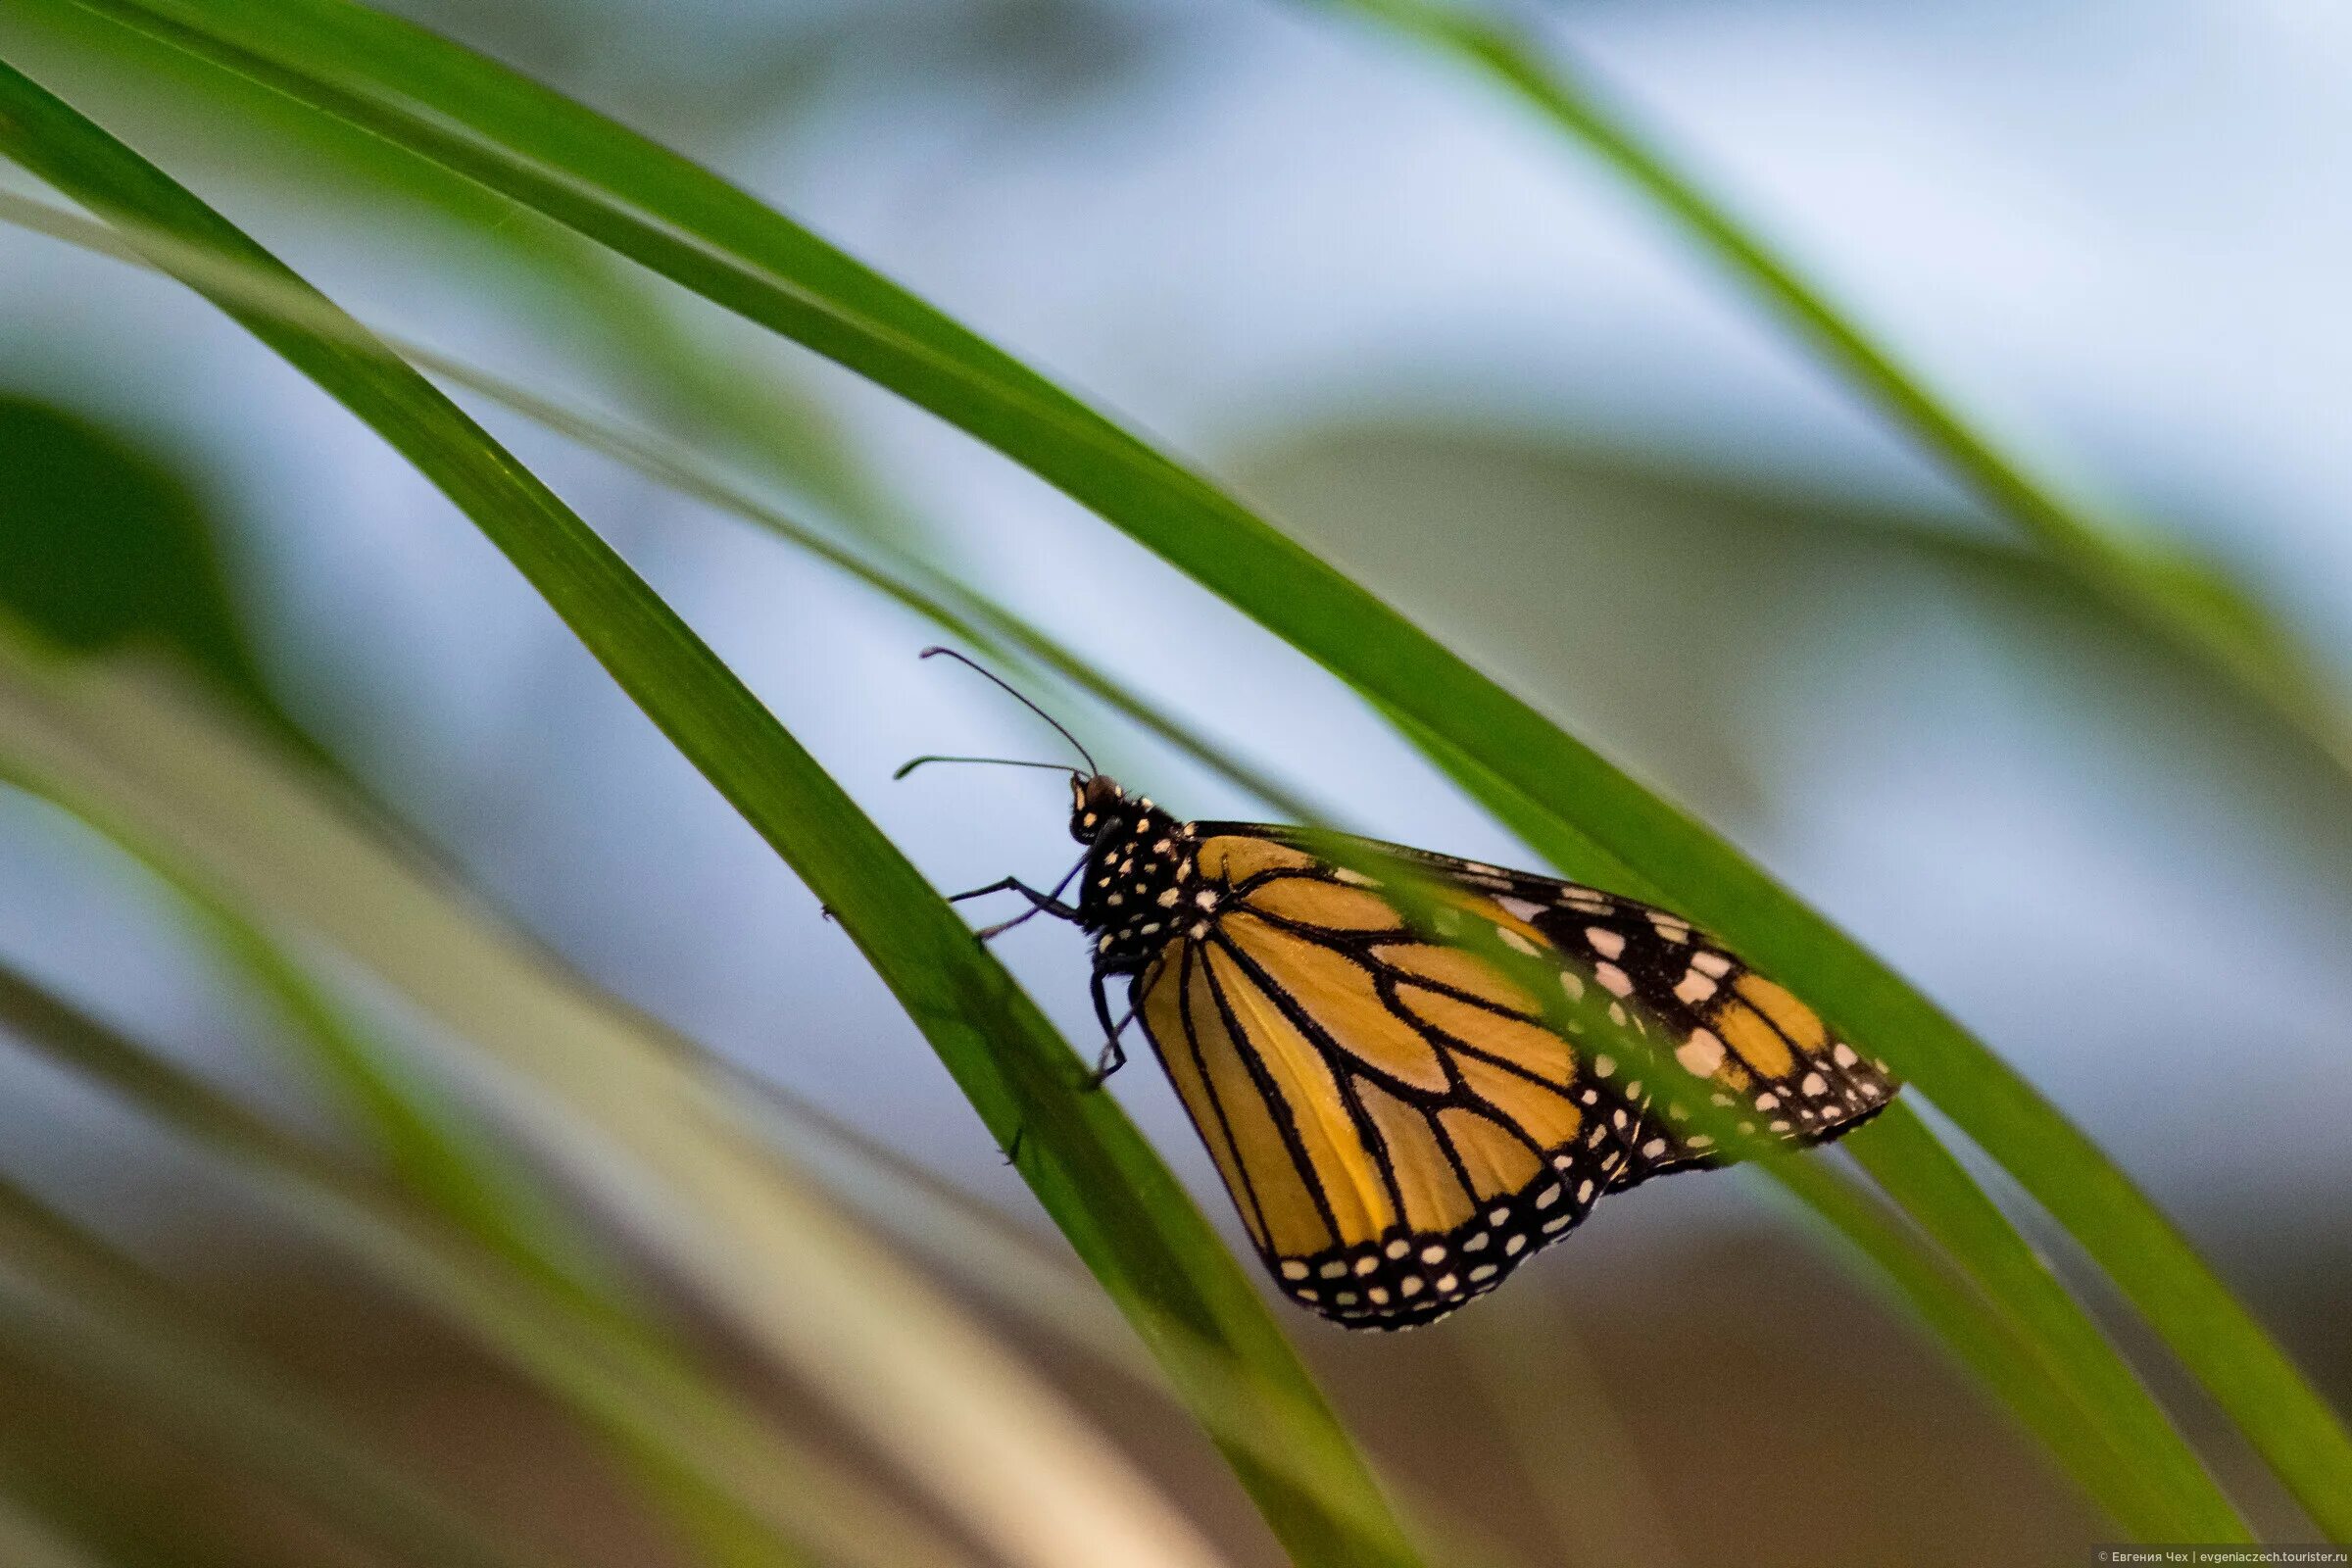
<point>1392,1114</point>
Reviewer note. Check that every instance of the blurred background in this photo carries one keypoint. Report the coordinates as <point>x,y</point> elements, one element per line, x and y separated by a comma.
<point>1448,352</point>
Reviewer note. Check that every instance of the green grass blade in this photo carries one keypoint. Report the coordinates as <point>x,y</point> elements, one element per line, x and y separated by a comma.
<point>976,621</point>
<point>774,1491</point>
<point>429,1146</point>
<point>1127,1216</point>
<point>125,744</point>
<point>2137,1462</point>
<point>783,278</point>
<point>2187,602</point>
<point>2167,1510</point>
<point>1975,1330</point>
<point>2066,1380</point>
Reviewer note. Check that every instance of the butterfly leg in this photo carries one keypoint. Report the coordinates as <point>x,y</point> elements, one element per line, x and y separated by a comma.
<point>1038,902</point>
<point>1115,1054</point>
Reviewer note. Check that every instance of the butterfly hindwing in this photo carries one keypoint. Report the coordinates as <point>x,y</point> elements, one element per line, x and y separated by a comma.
<point>1767,1065</point>
<point>1397,1122</point>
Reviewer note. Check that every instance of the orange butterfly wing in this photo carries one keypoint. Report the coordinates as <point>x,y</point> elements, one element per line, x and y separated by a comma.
<point>1395,1122</point>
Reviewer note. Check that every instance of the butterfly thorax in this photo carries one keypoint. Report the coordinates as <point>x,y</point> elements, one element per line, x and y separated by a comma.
<point>1142,884</point>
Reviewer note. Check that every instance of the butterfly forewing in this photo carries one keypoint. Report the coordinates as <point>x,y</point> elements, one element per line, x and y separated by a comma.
<point>1397,1122</point>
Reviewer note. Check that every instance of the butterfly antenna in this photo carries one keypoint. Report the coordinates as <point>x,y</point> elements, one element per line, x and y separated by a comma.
<point>996,761</point>
<point>988,674</point>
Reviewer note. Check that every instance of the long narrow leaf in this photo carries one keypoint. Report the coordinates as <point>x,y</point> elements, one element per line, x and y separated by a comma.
<point>2185,601</point>
<point>2055,1370</point>
<point>138,745</point>
<point>978,622</point>
<point>429,1146</point>
<point>783,278</point>
<point>783,1489</point>
<point>2165,1503</point>
<point>1126,1216</point>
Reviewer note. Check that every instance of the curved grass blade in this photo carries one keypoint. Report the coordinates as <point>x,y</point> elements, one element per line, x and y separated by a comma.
<point>429,1146</point>
<point>2042,1356</point>
<point>1975,1328</point>
<point>2165,1508</point>
<point>2187,602</point>
<point>2058,1372</point>
<point>972,619</point>
<point>1121,1209</point>
<point>2135,1460</point>
<point>775,1492</point>
<point>784,277</point>
<point>134,744</point>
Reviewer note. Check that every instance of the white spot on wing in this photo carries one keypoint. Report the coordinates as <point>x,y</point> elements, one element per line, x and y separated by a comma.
<point>1700,1055</point>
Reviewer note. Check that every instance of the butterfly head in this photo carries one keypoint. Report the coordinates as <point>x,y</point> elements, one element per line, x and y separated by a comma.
<point>1095,800</point>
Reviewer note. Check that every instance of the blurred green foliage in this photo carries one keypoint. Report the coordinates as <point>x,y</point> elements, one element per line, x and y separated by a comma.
<point>104,546</point>
<point>107,547</point>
